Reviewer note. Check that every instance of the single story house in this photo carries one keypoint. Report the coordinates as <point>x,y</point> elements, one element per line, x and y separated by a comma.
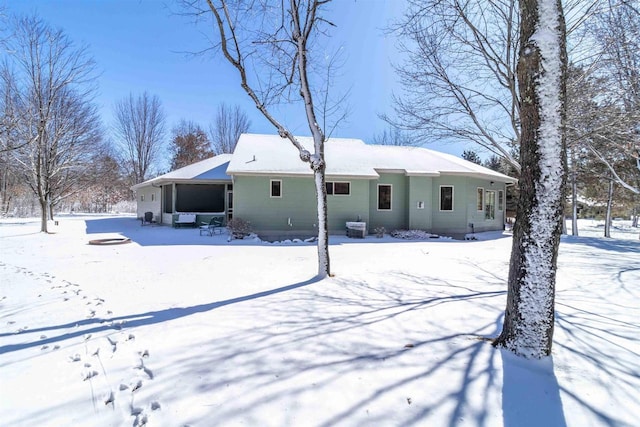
<point>393,187</point>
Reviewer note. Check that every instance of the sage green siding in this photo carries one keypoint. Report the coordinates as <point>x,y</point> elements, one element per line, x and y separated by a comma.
<point>397,217</point>
<point>420,191</point>
<point>296,209</point>
<point>295,213</point>
<point>348,208</point>
<point>477,217</point>
<point>450,221</point>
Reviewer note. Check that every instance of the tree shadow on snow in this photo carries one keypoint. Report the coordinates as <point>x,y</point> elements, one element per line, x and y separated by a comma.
<point>391,354</point>
<point>603,243</point>
<point>95,325</point>
<point>365,336</point>
<point>530,393</point>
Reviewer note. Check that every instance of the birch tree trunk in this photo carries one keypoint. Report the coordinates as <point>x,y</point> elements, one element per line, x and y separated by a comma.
<point>529,315</point>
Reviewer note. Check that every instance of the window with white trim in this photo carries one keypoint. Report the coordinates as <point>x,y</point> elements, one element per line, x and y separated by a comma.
<point>384,197</point>
<point>338,188</point>
<point>276,188</point>
<point>480,199</point>
<point>446,197</point>
<point>490,205</point>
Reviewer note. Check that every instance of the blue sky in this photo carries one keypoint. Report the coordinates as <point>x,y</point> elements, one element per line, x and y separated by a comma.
<point>141,45</point>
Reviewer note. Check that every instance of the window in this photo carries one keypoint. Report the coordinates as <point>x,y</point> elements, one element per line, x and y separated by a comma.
<point>500,200</point>
<point>276,188</point>
<point>384,197</point>
<point>153,197</point>
<point>446,198</point>
<point>480,200</point>
<point>490,205</point>
<point>338,188</point>
<point>142,197</point>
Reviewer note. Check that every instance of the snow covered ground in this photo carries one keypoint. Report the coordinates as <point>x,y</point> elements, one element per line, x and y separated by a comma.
<point>177,329</point>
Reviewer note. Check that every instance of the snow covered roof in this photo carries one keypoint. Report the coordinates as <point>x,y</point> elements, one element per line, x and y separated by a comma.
<point>211,169</point>
<point>273,155</point>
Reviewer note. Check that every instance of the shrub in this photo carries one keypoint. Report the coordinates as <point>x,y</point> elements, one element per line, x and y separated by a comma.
<point>380,231</point>
<point>239,228</point>
<point>412,234</point>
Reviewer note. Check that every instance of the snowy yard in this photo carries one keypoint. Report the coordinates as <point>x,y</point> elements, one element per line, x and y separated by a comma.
<point>177,329</point>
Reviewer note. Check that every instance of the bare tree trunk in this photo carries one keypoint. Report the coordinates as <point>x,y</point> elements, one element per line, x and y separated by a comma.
<point>607,222</point>
<point>43,216</point>
<point>574,204</point>
<point>529,315</point>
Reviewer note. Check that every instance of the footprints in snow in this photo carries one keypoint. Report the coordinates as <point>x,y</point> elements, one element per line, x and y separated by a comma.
<point>128,391</point>
<point>131,395</point>
<point>141,418</point>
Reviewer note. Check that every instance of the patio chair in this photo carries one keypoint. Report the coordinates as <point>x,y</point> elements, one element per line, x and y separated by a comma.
<point>147,219</point>
<point>212,227</point>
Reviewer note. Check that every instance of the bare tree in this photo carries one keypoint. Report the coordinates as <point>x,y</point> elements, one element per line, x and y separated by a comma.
<point>230,123</point>
<point>394,136</point>
<point>542,67</point>
<point>617,30</point>
<point>8,114</point>
<point>279,37</point>
<point>56,123</point>
<point>105,182</point>
<point>459,78</point>
<point>189,145</point>
<point>139,130</point>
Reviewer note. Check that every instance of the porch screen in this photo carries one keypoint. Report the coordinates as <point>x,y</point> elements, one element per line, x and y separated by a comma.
<point>168,198</point>
<point>200,197</point>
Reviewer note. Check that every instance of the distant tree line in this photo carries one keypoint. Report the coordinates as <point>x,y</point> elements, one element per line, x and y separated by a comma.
<point>56,154</point>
